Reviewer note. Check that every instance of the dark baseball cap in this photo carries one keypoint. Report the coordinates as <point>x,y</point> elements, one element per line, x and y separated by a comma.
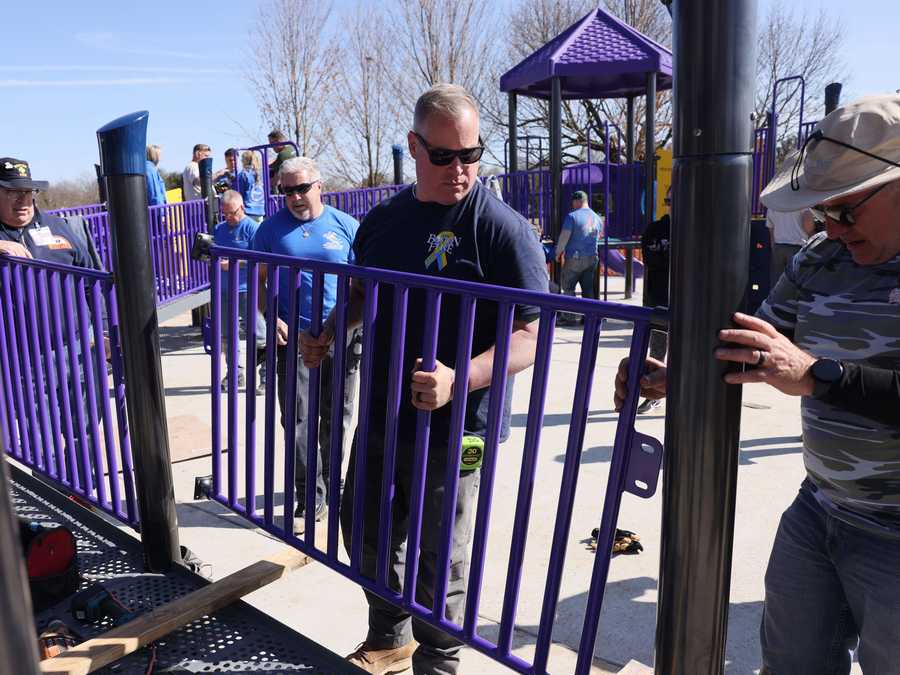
<point>15,174</point>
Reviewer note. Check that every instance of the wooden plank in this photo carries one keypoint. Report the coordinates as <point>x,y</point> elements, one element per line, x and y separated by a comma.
<point>118,642</point>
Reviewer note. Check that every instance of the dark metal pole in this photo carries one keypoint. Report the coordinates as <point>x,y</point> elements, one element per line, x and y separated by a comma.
<point>397,151</point>
<point>832,96</point>
<point>18,648</point>
<point>208,193</point>
<point>122,144</point>
<point>101,186</point>
<point>513,147</point>
<point>714,49</point>
<point>555,158</point>
<point>629,131</point>
<point>629,163</point>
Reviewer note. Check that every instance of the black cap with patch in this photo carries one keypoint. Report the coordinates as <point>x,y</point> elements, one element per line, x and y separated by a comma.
<point>15,174</point>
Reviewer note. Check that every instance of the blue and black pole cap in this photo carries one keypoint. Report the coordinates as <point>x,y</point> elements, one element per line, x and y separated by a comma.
<point>397,149</point>
<point>123,145</point>
<point>206,168</point>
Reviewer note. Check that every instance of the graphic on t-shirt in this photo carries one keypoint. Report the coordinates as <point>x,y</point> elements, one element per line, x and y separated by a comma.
<point>894,297</point>
<point>440,245</point>
<point>331,241</point>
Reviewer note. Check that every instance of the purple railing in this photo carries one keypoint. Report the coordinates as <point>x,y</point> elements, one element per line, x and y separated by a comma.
<point>762,170</point>
<point>56,415</point>
<point>356,202</point>
<point>172,231</point>
<point>634,464</point>
<point>85,210</point>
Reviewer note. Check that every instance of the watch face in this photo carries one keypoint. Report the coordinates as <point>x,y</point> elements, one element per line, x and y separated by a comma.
<point>827,370</point>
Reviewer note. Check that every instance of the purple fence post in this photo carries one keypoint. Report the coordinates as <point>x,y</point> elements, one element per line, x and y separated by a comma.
<point>577,424</point>
<point>21,329</point>
<point>82,459</point>
<point>10,370</point>
<point>337,413</point>
<point>42,301</point>
<point>531,448</point>
<point>312,412</point>
<point>420,458</point>
<point>231,342</point>
<point>250,371</point>
<point>492,441</point>
<point>290,405</point>
<point>57,290</point>
<point>216,374</point>
<point>370,310</point>
<point>391,416</point>
<point>454,452</point>
<point>272,272</point>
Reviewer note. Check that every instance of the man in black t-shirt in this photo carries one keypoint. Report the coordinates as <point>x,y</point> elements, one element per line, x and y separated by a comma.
<point>446,225</point>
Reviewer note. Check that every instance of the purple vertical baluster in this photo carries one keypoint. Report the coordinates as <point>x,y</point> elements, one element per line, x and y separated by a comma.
<point>269,402</point>
<point>312,412</point>
<point>391,415</point>
<point>337,413</point>
<point>215,297</point>
<point>489,465</point>
<point>115,351</point>
<point>290,404</point>
<point>531,448</point>
<point>56,290</point>
<point>231,343</point>
<point>250,371</point>
<point>42,305</point>
<point>33,458</point>
<point>99,354</point>
<point>24,452</point>
<point>577,424</point>
<point>614,488</point>
<point>84,332</point>
<point>69,290</point>
<point>38,358</point>
<point>10,408</point>
<point>454,450</point>
<point>420,457</point>
<point>370,310</point>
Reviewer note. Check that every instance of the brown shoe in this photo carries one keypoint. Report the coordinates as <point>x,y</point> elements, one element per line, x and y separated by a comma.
<point>383,661</point>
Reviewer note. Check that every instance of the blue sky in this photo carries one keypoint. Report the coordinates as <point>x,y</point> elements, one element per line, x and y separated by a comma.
<point>70,67</point>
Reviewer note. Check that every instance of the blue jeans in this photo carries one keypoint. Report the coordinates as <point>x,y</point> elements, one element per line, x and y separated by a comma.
<point>829,587</point>
<point>579,270</point>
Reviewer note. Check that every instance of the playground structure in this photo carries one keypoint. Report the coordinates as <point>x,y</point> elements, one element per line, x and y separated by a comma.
<point>702,449</point>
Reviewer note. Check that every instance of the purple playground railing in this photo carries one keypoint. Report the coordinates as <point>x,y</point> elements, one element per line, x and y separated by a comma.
<point>357,202</point>
<point>84,210</point>
<point>62,416</point>
<point>251,472</point>
<point>172,230</point>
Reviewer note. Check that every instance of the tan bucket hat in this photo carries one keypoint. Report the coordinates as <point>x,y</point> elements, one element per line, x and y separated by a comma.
<point>830,170</point>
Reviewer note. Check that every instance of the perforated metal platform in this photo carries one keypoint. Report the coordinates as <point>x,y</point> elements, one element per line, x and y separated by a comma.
<point>238,639</point>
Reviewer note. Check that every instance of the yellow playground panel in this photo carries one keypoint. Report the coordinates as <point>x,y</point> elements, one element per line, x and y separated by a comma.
<point>663,179</point>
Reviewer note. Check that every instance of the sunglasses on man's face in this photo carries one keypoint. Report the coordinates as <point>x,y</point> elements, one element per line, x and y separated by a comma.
<point>443,157</point>
<point>842,214</point>
<point>300,189</point>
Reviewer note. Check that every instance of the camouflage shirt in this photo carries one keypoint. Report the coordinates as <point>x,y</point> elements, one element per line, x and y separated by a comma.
<point>832,307</point>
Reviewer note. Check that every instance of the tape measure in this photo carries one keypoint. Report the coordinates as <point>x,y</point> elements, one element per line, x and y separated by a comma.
<point>472,453</point>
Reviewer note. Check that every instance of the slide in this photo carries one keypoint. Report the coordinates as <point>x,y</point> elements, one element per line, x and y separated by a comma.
<point>617,262</point>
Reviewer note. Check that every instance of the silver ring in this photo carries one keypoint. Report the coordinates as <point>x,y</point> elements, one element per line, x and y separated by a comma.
<point>761,361</point>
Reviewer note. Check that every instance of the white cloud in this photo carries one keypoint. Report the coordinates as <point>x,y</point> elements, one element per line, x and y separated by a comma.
<point>122,44</point>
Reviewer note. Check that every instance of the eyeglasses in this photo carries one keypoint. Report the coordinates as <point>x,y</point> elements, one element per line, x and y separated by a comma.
<point>443,157</point>
<point>843,214</point>
<point>300,189</point>
<point>233,212</point>
<point>20,194</point>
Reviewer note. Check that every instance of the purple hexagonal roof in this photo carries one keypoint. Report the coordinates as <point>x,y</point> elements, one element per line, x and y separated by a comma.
<point>599,56</point>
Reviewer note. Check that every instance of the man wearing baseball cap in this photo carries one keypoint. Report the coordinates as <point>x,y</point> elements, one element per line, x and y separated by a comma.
<point>576,249</point>
<point>25,232</point>
<point>830,333</point>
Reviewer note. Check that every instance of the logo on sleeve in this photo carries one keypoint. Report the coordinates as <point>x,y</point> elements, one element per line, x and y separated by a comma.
<point>440,246</point>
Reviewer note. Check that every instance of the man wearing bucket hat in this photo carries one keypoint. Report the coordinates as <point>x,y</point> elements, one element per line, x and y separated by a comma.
<point>25,232</point>
<point>830,333</point>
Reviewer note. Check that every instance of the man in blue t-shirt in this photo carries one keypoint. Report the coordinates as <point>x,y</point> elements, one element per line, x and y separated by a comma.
<point>306,228</point>
<point>448,226</point>
<point>236,231</point>
<point>576,249</point>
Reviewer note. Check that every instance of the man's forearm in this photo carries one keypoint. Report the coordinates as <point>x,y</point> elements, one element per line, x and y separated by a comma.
<point>355,305</point>
<point>522,346</point>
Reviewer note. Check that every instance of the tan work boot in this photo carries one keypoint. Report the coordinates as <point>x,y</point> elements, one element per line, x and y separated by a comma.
<point>383,661</point>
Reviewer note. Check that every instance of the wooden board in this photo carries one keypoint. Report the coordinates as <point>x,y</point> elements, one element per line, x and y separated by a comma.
<point>116,643</point>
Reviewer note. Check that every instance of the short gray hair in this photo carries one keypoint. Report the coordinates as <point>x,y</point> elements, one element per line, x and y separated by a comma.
<point>153,153</point>
<point>298,164</point>
<point>449,100</point>
<point>232,197</point>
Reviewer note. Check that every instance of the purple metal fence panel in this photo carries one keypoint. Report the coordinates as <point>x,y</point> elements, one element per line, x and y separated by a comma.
<point>172,230</point>
<point>84,210</point>
<point>761,170</point>
<point>58,419</point>
<point>634,466</point>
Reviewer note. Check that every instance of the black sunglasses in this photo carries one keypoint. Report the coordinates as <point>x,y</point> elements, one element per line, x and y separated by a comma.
<point>842,214</point>
<point>443,157</point>
<point>300,189</point>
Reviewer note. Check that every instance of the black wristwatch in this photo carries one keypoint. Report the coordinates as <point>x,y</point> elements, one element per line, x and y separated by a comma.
<point>826,373</point>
